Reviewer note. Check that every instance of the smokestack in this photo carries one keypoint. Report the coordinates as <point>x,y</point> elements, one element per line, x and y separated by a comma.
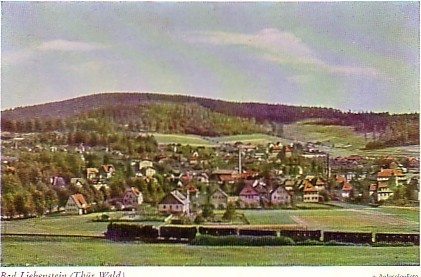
<point>188,201</point>
<point>239,161</point>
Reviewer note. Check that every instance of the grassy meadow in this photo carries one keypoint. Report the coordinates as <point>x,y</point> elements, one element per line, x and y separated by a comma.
<point>337,136</point>
<point>19,251</point>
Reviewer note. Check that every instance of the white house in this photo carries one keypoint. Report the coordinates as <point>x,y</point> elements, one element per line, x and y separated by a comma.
<point>174,203</point>
<point>76,204</point>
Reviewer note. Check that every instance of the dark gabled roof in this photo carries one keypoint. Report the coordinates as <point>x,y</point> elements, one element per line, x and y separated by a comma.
<point>275,188</point>
<point>248,189</point>
<point>220,191</point>
<point>174,197</point>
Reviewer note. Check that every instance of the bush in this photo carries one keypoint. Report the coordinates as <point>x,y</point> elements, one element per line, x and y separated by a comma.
<point>241,241</point>
<point>199,219</point>
<point>338,243</point>
<point>310,242</point>
<point>392,244</point>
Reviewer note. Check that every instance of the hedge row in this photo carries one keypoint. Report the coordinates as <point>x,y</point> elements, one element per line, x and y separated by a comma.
<point>241,241</point>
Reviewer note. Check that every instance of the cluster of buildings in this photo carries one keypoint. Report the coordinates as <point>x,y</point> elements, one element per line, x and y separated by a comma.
<point>248,189</point>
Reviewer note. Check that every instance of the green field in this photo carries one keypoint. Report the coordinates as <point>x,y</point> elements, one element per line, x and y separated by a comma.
<point>353,218</point>
<point>253,139</point>
<point>214,141</point>
<point>183,139</point>
<point>327,134</point>
<point>367,219</point>
<point>86,251</point>
<point>97,252</point>
<point>339,136</point>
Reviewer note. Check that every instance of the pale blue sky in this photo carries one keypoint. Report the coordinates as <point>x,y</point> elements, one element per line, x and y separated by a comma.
<point>360,56</point>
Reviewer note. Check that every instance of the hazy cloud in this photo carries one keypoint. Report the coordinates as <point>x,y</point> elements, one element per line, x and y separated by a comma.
<point>68,45</point>
<point>31,53</point>
<point>282,48</point>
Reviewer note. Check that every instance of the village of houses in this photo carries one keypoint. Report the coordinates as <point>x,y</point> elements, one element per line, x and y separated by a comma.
<point>335,182</point>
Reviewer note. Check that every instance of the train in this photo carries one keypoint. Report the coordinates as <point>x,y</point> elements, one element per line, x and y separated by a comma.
<point>188,233</point>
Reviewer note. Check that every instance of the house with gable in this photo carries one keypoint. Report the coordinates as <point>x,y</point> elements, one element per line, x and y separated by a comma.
<point>107,171</point>
<point>57,181</point>
<point>393,176</point>
<point>219,199</point>
<point>311,194</point>
<point>383,191</point>
<point>76,204</point>
<point>279,196</point>
<point>148,171</point>
<point>92,175</point>
<point>320,184</point>
<point>175,203</point>
<point>387,179</point>
<point>145,163</point>
<point>249,197</point>
<point>346,190</point>
<point>132,198</point>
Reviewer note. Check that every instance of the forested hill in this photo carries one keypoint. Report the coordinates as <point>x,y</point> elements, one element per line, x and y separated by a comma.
<point>271,112</point>
<point>201,116</point>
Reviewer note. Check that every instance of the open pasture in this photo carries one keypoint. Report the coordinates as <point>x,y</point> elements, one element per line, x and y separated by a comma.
<point>98,252</point>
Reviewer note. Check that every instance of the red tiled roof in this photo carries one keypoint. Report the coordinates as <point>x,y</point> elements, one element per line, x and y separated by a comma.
<point>309,187</point>
<point>373,187</point>
<point>79,200</point>
<point>390,173</point>
<point>347,187</point>
<point>107,167</point>
<point>191,188</point>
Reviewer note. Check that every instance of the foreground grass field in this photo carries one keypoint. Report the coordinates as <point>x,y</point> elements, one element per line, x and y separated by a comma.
<point>97,252</point>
